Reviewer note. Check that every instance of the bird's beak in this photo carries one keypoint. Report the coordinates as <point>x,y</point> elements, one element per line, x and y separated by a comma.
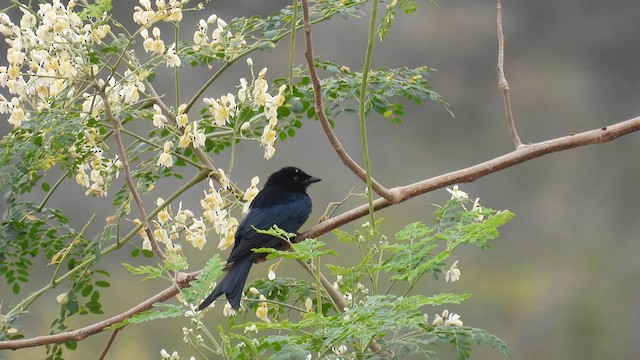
<point>312,180</point>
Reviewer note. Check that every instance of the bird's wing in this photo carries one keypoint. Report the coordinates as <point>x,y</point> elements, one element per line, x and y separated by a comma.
<point>287,216</point>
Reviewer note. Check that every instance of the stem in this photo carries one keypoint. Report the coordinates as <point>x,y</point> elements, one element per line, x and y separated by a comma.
<point>177,73</point>
<point>292,47</point>
<point>51,191</point>
<point>109,343</point>
<point>363,107</point>
<point>503,85</point>
<point>148,142</point>
<point>66,251</point>
<point>127,171</point>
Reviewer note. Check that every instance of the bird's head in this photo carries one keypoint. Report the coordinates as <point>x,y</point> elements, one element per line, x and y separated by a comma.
<point>291,178</point>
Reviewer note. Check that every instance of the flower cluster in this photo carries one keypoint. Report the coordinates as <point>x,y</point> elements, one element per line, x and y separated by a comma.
<point>47,54</point>
<point>224,225</point>
<point>222,109</point>
<point>146,15</point>
<point>220,40</point>
<point>446,319</point>
<point>101,170</point>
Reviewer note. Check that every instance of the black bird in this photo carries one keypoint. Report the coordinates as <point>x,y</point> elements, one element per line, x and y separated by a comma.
<point>283,202</point>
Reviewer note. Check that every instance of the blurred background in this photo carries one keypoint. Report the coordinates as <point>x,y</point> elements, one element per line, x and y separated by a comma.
<point>562,280</point>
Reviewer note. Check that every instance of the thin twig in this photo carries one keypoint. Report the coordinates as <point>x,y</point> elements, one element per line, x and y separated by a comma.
<point>362,106</point>
<point>109,343</point>
<point>503,85</point>
<point>127,171</point>
<point>390,195</point>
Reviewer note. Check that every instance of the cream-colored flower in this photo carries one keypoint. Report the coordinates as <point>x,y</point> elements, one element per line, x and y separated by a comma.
<point>453,320</point>
<point>456,193</point>
<point>453,274</point>
<point>262,312</point>
<point>228,311</point>
<point>165,159</point>
<point>478,208</point>
<point>182,119</point>
<point>173,60</point>
<point>159,120</point>
<point>63,298</point>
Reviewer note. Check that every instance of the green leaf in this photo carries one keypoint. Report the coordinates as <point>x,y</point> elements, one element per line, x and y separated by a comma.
<point>103,284</point>
<point>152,272</point>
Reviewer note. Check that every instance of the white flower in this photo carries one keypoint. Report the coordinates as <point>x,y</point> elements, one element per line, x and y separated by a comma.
<point>262,312</point>
<point>228,311</point>
<point>453,273</point>
<point>478,208</point>
<point>271,275</point>
<point>254,291</point>
<point>456,193</point>
<point>182,119</point>
<point>159,120</point>
<point>340,350</point>
<point>453,320</point>
<point>165,159</point>
<point>251,328</point>
<point>437,321</point>
<point>63,298</point>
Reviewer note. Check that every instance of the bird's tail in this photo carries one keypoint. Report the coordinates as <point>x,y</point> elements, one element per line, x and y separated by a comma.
<point>232,284</point>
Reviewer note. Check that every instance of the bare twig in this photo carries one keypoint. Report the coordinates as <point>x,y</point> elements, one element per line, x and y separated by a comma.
<point>109,343</point>
<point>503,85</point>
<point>390,195</point>
<point>126,169</point>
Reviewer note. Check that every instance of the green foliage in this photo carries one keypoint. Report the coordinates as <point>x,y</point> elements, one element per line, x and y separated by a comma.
<point>77,95</point>
<point>398,324</point>
<point>406,6</point>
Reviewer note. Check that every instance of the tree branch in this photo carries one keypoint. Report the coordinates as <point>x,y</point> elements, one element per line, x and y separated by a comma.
<point>390,195</point>
<point>472,173</point>
<point>127,171</point>
<point>109,343</point>
<point>503,85</point>
<point>82,333</point>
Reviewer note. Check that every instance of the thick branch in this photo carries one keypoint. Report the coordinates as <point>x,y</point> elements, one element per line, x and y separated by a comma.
<point>503,85</point>
<point>390,195</point>
<point>80,334</point>
<point>472,173</point>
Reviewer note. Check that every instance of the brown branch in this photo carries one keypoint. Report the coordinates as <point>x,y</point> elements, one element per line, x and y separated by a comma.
<point>115,124</point>
<point>472,173</point>
<point>82,333</point>
<point>109,343</point>
<point>390,195</point>
<point>503,85</point>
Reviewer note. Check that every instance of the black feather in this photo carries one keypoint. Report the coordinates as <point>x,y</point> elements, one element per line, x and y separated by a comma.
<point>283,202</point>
